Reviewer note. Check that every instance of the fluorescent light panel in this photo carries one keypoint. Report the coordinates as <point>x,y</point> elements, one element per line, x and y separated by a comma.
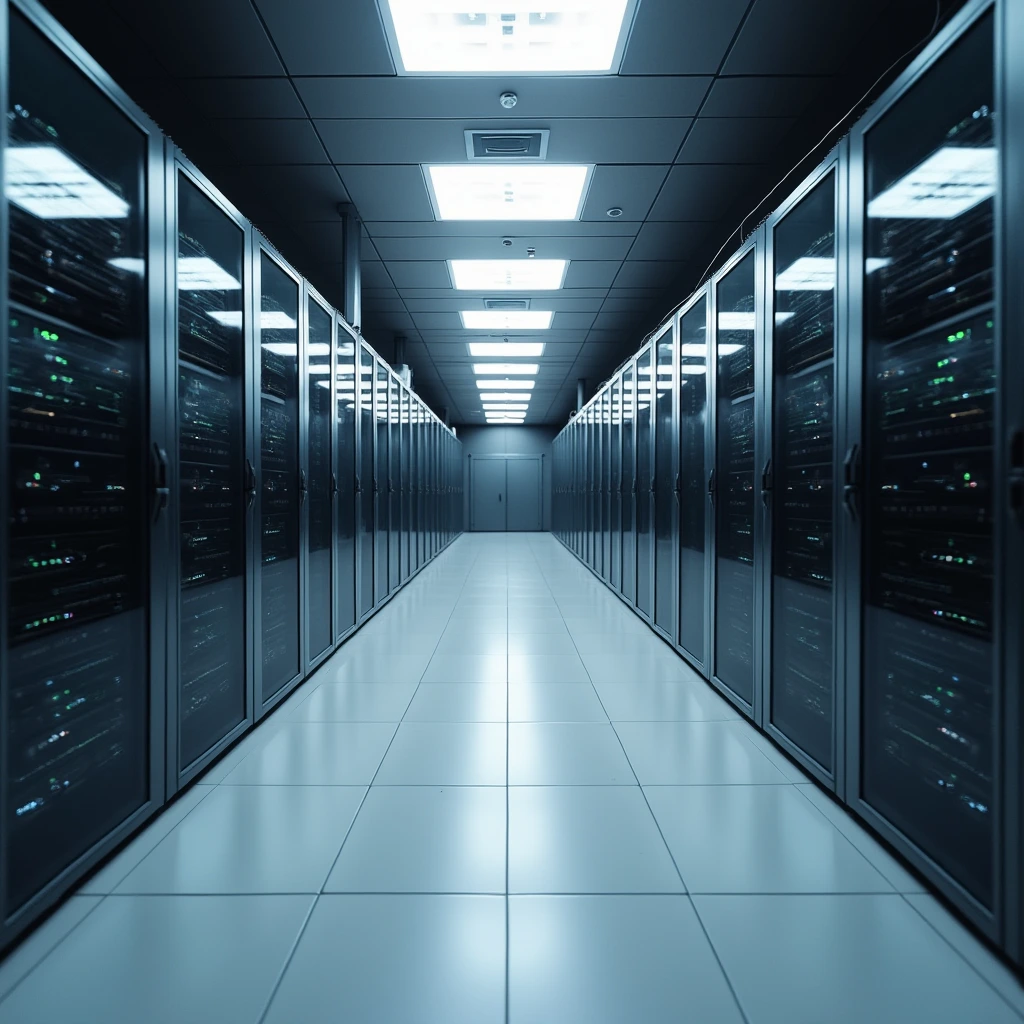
<point>508,396</point>
<point>524,275</point>
<point>509,349</point>
<point>487,37</point>
<point>508,192</point>
<point>521,369</point>
<point>506,319</point>
<point>506,407</point>
<point>494,385</point>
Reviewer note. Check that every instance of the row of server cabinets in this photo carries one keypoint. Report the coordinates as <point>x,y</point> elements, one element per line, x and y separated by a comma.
<point>810,480</point>
<point>210,480</point>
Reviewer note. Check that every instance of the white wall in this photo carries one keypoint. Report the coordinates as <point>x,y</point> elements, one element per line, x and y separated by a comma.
<point>507,441</point>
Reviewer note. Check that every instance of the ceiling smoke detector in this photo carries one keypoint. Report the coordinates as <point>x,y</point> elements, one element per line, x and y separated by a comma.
<point>615,211</point>
<point>508,100</point>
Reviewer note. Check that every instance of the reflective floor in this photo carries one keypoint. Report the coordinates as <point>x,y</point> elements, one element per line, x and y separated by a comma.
<point>504,800</point>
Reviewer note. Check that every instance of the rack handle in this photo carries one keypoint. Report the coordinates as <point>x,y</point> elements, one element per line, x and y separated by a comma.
<point>250,484</point>
<point>767,481</point>
<point>712,486</point>
<point>851,480</point>
<point>334,485</point>
<point>303,490</point>
<point>161,488</point>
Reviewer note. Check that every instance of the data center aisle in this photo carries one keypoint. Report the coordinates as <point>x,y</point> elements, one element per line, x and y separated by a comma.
<point>505,799</point>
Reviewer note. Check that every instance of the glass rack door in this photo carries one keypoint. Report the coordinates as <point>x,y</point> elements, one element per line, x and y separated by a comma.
<point>278,333</point>
<point>380,483</point>
<point>628,484</point>
<point>406,484</point>
<point>365,480</point>
<point>615,524</point>
<point>666,503</point>
<point>606,484</point>
<point>929,664</point>
<point>211,452</point>
<point>345,505</point>
<point>693,413</point>
<point>800,472</point>
<point>319,526</point>
<point>394,483</point>
<point>77,679</point>
<point>644,482</point>
<point>734,480</point>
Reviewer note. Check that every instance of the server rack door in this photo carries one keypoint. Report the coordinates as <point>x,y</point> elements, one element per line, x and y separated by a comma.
<point>346,514</point>
<point>599,485</point>
<point>277,328</point>
<point>606,484</point>
<point>693,476</point>
<point>666,503</point>
<point>364,481</point>
<point>576,474</point>
<point>319,462</point>
<point>405,483</point>
<point>629,483</point>
<point>615,524</point>
<point>78,432</point>
<point>420,483</point>
<point>587,451</point>
<point>735,334</point>
<point>929,683</point>
<point>797,478</point>
<point>212,648</point>
<point>394,483</point>
<point>645,483</point>
<point>380,483</point>
<point>432,437</point>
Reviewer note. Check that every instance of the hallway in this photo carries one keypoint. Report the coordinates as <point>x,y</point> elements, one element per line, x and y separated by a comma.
<point>504,800</point>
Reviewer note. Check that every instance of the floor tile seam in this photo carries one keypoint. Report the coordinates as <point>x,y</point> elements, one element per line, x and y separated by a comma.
<point>288,960</point>
<point>1019,1012</point>
<point>718,959</point>
<point>99,898</point>
<point>205,796</point>
<point>376,772</point>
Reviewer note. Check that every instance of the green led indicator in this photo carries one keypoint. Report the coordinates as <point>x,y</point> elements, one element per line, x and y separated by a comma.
<point>967,476</point>
<point>37,476</point>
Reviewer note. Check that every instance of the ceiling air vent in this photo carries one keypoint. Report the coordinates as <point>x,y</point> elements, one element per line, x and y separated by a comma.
<point>506,303</point>
<point>507,144</point>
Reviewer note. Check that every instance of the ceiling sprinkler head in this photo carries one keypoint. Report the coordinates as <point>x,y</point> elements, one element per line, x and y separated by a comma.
<point>508,100</point>
<point>615,211</point>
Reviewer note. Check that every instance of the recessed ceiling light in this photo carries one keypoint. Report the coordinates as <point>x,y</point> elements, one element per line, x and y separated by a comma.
<point>509,396</point>
<point>521,369</point>
<point>508,275</point>
<point>506,407</point>
<point>510,349</point>
<point>483,37</point>
<point>506,192</point>
<point>494,385</point>
<point>506,319</point>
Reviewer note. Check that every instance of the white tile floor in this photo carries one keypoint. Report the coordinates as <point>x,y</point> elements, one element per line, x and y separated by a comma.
<point>504,800</point>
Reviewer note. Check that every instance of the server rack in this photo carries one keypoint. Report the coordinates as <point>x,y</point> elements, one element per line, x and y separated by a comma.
<point>211,373</point>
<point>736,397</point>
<point>925,480</point>
<point>365,435</point>
<point>394,477</point>
<point>319,558</point>
<point>345,483</point>
<point>94,499</point>
<point>629,482</point>
<point>606,485</point>
<point>277,478</point>
<point>644,511</point>
<point>380,482</point>
<point>695,439</point>
<point>405,481</point>
<point>615,484</point>
<point>665,482</point>
<point>803,410</point>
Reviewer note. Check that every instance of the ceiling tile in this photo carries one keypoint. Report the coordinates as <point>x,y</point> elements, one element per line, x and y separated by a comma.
<point>374,275</point>
<point>556,301</point>
<point>373,305</point>
<point>735,140</point>
<point>631,189</point>
<point>662,272</point>
<point>520,229</point>
<point>760,96</point>
<point>472,247</point>
<point>703,191</point>
<point>594,140</point>
<point>191,37</point>
<point>285,193</point>
<point>419,274</point>
<point>800,37</point>
<point>591,273</point>
<point>387,193</point>
<point>628,304</point>
<point>269,141</point>
<point>671,240</point>
<point>318,38</point>
<point>242,97</point>
<point>541,98</point>
<point>681,37</point>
